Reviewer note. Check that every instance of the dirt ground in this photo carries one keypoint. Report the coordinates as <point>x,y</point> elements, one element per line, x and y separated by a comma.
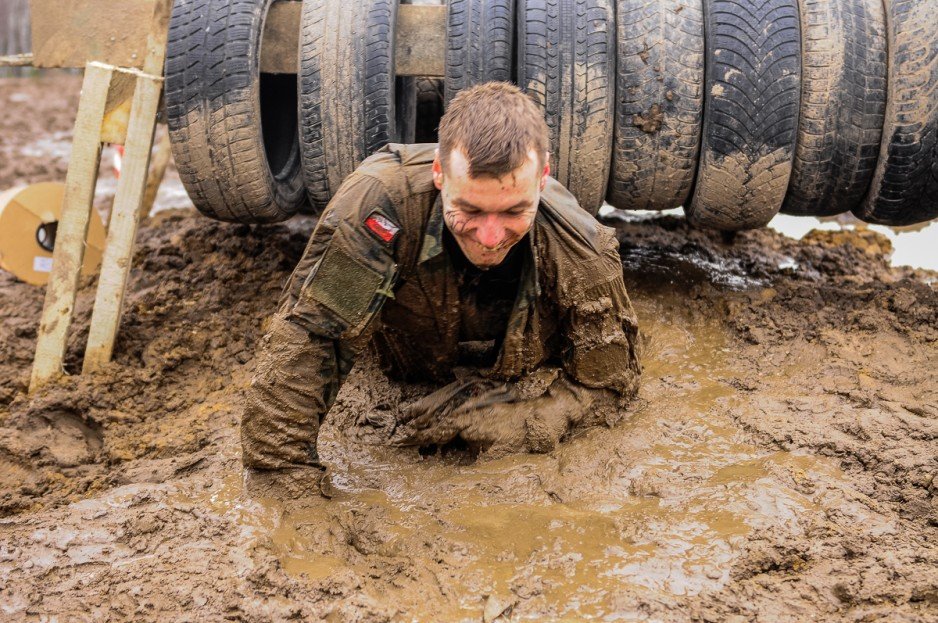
<point>779,465</point>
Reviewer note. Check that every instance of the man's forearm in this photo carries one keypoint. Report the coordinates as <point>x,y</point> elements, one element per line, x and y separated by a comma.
<point>295,383</point>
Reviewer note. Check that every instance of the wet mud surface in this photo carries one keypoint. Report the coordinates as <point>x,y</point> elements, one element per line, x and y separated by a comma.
<point>778,465</point>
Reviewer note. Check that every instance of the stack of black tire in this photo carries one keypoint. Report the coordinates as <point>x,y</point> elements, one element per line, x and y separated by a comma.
<point>733,109</point>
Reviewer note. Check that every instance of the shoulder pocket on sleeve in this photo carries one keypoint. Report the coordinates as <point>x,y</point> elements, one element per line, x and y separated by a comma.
<point>342,294</point>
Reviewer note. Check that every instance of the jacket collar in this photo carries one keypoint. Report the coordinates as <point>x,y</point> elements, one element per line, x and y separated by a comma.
<point>433,235</point>
<point>432,245</point>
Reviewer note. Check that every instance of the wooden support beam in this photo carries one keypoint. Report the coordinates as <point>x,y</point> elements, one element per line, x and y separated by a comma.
<point>157,37</point>
<point>129,198</point>
<point>70,238</point>
<point>104,93</point>
<point>73,33</point>
<point>125,216</point>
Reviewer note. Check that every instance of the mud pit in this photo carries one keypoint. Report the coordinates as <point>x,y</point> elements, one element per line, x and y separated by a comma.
<point>779,464</point>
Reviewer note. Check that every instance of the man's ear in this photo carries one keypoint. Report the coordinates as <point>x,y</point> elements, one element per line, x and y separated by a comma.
<point>546,173</point>
<point>437,170</point>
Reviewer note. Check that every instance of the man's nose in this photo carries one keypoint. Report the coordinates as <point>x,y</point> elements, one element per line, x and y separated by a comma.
<point>490,232</point>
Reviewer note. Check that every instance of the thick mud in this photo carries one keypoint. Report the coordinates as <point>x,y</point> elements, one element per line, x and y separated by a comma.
<point>779,464</point>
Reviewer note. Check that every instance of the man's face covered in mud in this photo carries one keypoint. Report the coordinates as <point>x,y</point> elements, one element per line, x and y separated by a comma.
<point>487,215</point>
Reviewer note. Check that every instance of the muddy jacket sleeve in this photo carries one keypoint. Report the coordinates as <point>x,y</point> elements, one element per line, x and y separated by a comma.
<point>600,328</point>
<point>326,313</point>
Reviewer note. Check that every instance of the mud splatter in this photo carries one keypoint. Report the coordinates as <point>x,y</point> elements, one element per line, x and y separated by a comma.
<point>651,120</point>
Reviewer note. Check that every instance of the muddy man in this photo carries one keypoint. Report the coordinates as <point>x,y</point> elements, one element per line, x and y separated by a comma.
<point>462,264</point>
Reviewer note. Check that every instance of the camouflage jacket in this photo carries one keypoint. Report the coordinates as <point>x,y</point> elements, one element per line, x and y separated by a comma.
<point>376,272</point>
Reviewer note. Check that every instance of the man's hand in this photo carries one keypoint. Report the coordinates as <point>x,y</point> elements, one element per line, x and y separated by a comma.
<point>437,410</point>
<point>494,419</point>
<point>495,427</point>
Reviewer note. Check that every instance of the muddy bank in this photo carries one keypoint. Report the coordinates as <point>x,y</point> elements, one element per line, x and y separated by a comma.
<point>182,338</point>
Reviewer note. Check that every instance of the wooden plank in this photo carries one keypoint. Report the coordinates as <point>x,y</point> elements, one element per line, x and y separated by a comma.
<point>73,227</point>
<point>156,38</point>
<point>76,32</point>
<point>420,45</point>
<point>281,38</point>
<point>118,250</point>
<point>72,34</point>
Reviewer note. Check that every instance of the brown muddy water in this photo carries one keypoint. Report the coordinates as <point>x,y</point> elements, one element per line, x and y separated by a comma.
<point>659,506</point>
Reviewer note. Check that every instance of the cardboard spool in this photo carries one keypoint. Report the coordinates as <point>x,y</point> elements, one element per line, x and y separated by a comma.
<point>29,216</point>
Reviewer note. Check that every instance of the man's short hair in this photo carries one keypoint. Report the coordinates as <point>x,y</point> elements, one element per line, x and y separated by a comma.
<point>496,125</point>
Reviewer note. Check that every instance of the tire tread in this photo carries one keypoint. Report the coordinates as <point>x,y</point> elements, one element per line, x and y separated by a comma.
<point>212,93</point>
<point>751,112</point>
<point>659,103</point>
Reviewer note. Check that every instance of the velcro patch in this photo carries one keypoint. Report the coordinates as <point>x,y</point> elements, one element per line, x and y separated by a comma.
<point>382,227</point>
<point>344,285</point>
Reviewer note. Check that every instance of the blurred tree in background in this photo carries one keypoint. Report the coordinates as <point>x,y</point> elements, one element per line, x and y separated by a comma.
<point>14,33</point>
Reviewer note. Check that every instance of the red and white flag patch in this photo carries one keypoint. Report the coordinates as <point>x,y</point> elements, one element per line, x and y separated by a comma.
<point>382,227</point>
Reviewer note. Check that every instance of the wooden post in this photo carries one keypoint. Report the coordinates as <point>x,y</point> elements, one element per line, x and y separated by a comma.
<point>69,249</point>
<point>157,37</point>
<point>131,188</point>
<point>125,215</point>
<point>104,91</point>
